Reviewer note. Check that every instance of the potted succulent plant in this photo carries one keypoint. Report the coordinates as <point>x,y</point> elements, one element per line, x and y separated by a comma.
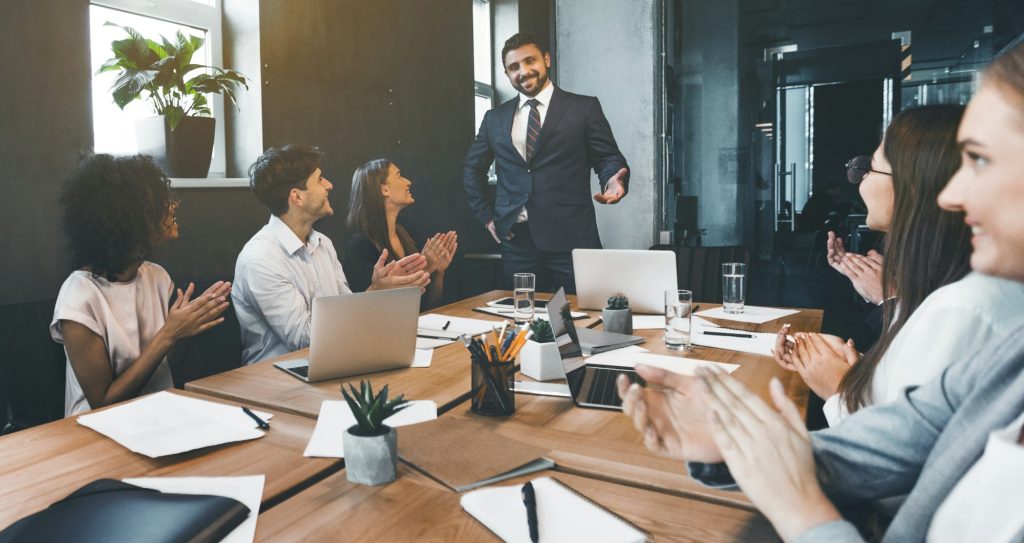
<point>618,317</point>
<point>371,447</point>
<point>539,358</point>
<point>181,136</point>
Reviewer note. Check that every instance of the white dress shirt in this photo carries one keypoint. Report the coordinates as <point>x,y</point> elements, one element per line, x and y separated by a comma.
<point>521,121</point>
<point>988,503</point>
<point>125,314</point>
<point>950,325</point>
<point>276,278</point>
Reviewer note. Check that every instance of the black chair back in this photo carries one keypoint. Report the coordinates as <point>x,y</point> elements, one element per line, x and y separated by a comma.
<point>32,367</point>
<point>699,269</point>
<point>216,350</point>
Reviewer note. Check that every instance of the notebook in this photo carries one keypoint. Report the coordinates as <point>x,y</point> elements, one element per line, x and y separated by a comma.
<point>562,515</point>
<point>464,454</point>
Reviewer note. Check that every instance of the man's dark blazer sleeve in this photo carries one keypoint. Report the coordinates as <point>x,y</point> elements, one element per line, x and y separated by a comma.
<point>602,151</point>
<point>474,173</point>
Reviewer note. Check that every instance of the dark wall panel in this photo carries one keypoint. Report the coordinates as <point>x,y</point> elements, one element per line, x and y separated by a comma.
<point>45,124</point>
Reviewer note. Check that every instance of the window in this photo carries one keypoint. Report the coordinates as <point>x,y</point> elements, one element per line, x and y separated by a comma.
<point>114,129</point>
<point>483,63</point>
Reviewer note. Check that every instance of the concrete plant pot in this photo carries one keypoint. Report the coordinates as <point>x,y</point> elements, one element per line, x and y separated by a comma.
<point>541,361</point>
<point>370,460</point>
<point>619,321</point>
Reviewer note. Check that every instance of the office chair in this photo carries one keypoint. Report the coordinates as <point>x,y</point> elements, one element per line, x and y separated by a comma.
<point>699,269</point>
<point>216,350</point>
<point>32,367</point>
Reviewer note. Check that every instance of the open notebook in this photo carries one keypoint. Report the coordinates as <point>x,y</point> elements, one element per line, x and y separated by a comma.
<point>464,454</point>
<point>562,515</point>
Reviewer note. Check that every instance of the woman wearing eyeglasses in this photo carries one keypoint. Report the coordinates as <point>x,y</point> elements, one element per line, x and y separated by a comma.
<point>939,313</point>
<point>115,314</point>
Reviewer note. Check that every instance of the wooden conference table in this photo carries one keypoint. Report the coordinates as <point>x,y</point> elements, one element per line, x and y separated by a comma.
<point>597,452</point>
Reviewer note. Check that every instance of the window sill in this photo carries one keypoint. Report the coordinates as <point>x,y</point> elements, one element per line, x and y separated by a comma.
<point>210,183</point>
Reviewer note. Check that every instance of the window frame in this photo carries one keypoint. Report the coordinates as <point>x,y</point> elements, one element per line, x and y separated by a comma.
<point>480,88</point>
<point>196,15</point>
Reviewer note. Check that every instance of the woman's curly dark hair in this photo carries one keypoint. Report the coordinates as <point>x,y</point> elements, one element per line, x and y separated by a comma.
<point>114,210</point>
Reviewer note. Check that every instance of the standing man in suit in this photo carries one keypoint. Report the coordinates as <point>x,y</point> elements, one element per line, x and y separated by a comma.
<point>543,144</point>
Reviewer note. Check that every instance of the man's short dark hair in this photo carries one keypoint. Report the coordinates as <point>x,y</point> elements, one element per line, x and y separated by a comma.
<point>519,40</point>
<point>279,170</point>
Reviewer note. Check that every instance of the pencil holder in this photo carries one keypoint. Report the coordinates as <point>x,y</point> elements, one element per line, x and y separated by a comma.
<point>491,393</point>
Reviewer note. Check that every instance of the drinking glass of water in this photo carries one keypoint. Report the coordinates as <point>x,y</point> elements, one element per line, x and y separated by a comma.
<point>524,290</point>
<point>733,276</point>
<point>678,307</point>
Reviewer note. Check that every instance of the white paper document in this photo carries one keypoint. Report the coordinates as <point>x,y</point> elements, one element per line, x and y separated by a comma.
<point>751,313</point>
<point>336,417</point>
<point>456,325</point>
<point>166,423</point>
<point>648,322</point>
<point>423,357</point>
<point>675,364</point>
<point>537,314</point>
<point>248,490</point>
<point>736,340</point>
<point>429,343</point>
<point>562,515</point>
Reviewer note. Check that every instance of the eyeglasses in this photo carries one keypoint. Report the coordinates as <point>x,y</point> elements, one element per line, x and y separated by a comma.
<point>858,167</point>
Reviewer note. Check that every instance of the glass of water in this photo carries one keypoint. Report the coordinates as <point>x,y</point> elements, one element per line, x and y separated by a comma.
<point>733,277</point>
<point>678,307</point>
<point>524,290</point>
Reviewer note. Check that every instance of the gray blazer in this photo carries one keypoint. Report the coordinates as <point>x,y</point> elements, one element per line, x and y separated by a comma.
<point>921,445</point>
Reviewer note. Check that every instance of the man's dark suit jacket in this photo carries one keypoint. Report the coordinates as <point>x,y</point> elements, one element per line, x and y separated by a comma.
<point>555,184</point>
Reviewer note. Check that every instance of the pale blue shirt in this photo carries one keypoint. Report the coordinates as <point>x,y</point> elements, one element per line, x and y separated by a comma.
<point>276,278</point>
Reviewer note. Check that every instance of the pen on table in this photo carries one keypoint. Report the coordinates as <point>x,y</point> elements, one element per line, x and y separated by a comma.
<point>530,501</point>
<point>730,334</point>
<point>446,325</point>
<point>262,423</point>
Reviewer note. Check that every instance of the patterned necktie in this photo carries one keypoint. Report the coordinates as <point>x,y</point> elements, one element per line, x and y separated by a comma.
<point>532,128</point>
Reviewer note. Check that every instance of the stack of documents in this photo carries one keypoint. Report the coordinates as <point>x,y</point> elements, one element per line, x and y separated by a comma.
<point>166,423</point>
<point>508,312</point>
<point>708,334</point>
<point>562,515</point>
<point>248,490</point>
<point>336,417</point>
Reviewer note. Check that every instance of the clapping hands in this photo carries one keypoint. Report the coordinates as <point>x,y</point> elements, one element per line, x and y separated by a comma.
<point>407,272</point>
<point>439,251</point>
<point>821,359</point>
<point>864,271</point>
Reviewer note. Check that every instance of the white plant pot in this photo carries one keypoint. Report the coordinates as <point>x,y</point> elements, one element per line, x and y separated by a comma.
<point>370,460</point>
<point>540,361</point>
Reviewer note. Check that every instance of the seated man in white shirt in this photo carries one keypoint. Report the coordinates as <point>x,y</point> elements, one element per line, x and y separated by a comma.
<point>287,263</point>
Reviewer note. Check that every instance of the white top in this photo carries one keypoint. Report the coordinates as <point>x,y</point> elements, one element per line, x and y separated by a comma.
<point>988,503</point>
<point>276,278</point>
<point>521,120</point>
<point>951,324</point>
<point>126,315</point>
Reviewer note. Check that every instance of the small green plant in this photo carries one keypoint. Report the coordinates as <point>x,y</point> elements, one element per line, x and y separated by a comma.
<point>619,301</point>
<point>542,331</point>
<point>371,411</point>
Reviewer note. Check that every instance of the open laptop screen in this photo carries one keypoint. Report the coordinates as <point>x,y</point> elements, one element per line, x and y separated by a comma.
<point>568,342</point>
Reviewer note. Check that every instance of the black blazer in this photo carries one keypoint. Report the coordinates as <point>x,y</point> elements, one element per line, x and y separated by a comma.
<point>555,185</point>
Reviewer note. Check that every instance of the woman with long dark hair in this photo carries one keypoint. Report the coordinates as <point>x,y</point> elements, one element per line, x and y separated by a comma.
<point>112,312</point>
<point>379,194</point>
<point>939,312</point>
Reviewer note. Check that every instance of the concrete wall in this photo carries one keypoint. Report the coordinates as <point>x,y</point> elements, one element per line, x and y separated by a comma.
<point>45,125</point>
<point>606,48</point>
<point>712,163</point>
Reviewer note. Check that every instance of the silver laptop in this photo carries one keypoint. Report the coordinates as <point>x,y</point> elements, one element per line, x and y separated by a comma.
<point>643,276</point>
<point>359,333</point>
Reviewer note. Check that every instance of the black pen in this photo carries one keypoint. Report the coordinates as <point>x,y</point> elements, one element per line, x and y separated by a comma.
<point>446,325</point>
<point>730,334</point>
<point>262,423</point>
<point>530,501</point>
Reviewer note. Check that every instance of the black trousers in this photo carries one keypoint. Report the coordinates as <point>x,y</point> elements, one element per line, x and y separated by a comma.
<point>552,268</point>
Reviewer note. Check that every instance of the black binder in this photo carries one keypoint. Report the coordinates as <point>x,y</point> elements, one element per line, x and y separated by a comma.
<point>111,511</point>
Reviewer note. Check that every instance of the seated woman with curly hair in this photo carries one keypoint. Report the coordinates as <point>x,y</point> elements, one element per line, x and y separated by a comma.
<point>112,312</point>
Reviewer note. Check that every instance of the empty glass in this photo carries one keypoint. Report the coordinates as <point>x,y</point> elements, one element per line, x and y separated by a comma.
<point>678,307</point>
<point>733,276</point>
<point>524,290</point>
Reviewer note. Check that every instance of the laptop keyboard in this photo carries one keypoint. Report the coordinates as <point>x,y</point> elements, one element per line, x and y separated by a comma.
<point>301,370</point>
<point>603,390</point>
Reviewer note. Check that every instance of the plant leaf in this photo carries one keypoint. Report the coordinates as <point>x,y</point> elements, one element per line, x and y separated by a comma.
<point>173,115</point>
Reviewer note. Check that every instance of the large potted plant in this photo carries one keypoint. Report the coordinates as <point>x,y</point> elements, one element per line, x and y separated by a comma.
<point>181,136</point>
<point>539,358</point>
<point>371,447</point>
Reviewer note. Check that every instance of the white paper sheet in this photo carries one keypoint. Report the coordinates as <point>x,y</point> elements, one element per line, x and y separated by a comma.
<point>166,423</point>
<point>538,314</point>
<point>456,325</point>
<point>675,364</point>
<point>428,343</point>
<point>648,322</point>
<point>422,360</point>
<point>248,490</point>
<point>336,417</point>
<point>761,343</point>
<point>751,313</point>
